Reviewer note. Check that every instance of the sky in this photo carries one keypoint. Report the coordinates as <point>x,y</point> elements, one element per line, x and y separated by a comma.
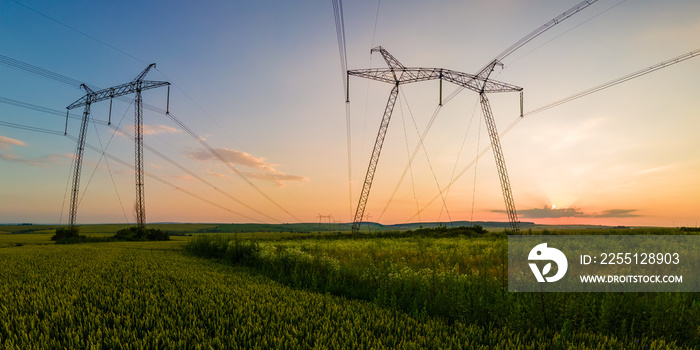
<point>261,82</point>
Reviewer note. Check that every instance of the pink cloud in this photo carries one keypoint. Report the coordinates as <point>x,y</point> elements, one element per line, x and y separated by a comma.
<point>7,143</point>
<point>261,169</point>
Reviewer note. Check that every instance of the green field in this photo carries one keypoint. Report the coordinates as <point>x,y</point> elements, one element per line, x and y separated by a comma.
<point>316,292</point>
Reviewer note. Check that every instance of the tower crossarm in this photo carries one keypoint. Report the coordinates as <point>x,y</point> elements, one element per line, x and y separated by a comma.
<point>477,83</point>
<point>391,61</point>
<point>401,76</point>
<point>144,72</point>
<point>417,74</point>
<point>116,91</point>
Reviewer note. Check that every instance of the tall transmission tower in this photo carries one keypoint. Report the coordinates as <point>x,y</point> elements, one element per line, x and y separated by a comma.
<point>481,83</point>
<point>135,86</point>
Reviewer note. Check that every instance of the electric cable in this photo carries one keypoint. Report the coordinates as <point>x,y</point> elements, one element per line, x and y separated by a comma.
<point>427,158</point>
<point>117,128</point>
<point>408,156</point>
<point>223,160</point>
<point>161,180</point>
<point>573,97</point>
<point>410,161</point>
<point>77,30</point>
<point>565,32</point>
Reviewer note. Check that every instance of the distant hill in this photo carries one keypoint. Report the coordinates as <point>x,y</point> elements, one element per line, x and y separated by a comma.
<point>417,225</point>
<point>189,228</point>
<point>366,226</point>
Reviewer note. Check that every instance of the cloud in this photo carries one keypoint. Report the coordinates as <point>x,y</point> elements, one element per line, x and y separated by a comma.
<point>7,143</point>
<point>232,156</point>
<point>159,129</point>
<point>43,162</point>
<point>149,130</point>
<point>614,213</point>
<point>260,168</point>
<point>555,213</point>
<point>653,170</point>
<point>214,173</point>
<point>547,212</point>
<point>185,177</point>
<point>275,176</point>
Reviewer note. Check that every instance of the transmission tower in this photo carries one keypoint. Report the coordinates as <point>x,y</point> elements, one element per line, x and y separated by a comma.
<point>329,217</point>
<point>135,86</point>
<point>398,74</point>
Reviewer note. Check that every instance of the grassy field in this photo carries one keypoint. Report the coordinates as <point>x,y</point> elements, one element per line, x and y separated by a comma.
<point>293,293</point>
<point>459,279</point>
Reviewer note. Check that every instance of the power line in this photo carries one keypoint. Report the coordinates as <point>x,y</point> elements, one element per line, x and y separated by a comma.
<point>109,170</point>
<point>459,155</point>
<point>410,160</point>
<point>72,82</point>
<point>199,178</point>
<point>34,107</point>
<point>47,74</point>
<point>543,28</point>
<point>77,31</point>
<point>76,84</point>
<point>526,39</point>
<point>481,84</point>
<point>408,156</point>
<point>223,160</point>
<point>565,32</point>
<point>50,75</point>
<point>342,51</point>
<point>619,80</point>
<point>220,127</point>
<point>102,156</point>
<point>595,89</point>
<point>69,81</point>
<point>30,128</point>
<point>126,134</point>
<point>340,33</point>
<point>427,158</point>
<point>159,179</point>
<point>374,31</point>
<point>20,65</point>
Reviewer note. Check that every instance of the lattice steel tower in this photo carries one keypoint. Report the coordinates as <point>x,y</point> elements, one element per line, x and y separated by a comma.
<point>135,86</point>
<point>398,74</point>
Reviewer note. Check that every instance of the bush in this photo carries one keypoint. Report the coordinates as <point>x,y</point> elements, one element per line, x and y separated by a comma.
<point>137,233</point>
<point>71,233</point>
<point>158,235</point>
<point>232,249</point>
<point>444,231</point>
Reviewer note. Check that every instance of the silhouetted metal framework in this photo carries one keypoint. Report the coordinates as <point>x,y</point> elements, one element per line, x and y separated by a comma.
<point>135,86</point>
<point>398,74</point>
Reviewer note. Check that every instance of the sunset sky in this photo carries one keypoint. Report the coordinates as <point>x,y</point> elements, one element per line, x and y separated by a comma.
<point>261,83</point>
